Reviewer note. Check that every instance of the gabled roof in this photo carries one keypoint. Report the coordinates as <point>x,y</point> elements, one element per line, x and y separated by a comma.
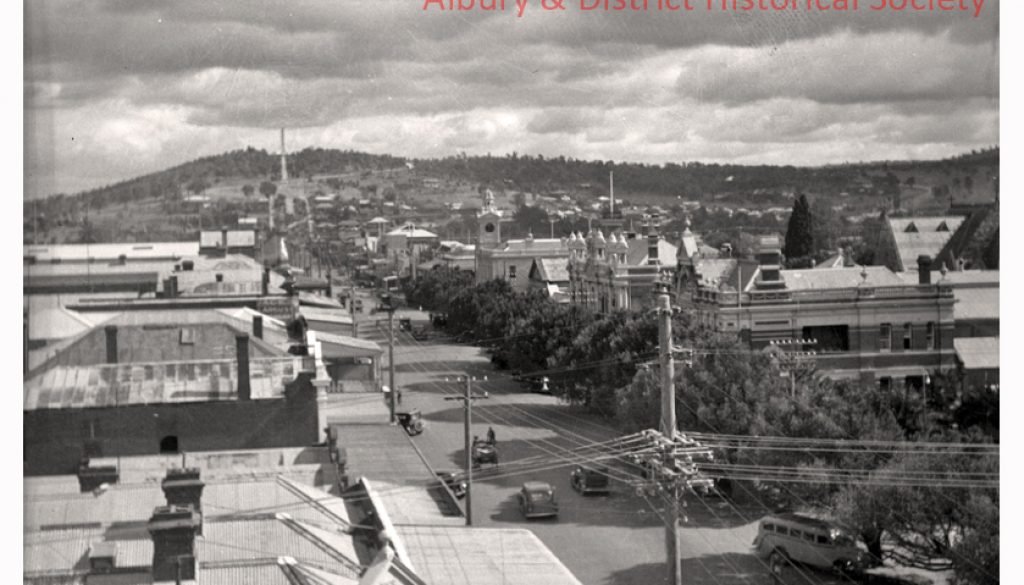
<point>551,270</point>
<point>637,254</point>
<point>916,236</point>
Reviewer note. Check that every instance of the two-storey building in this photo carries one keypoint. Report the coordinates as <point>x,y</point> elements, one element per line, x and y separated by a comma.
<point>858,322</point>
<point>614,272</point>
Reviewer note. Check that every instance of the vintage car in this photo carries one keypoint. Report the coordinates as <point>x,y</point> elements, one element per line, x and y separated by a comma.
<point>537,500</point>
<point>454,483</point>
<point>587,480</point>
<point>484,452</point>
<point>787,538</point>
<point>405,324</point>
<point>421,334</point>
<point>411,421</point>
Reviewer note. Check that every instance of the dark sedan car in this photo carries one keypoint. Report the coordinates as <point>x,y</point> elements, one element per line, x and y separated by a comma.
<point>454,483</point>
<point>590,480</point>
<point>537,500</point>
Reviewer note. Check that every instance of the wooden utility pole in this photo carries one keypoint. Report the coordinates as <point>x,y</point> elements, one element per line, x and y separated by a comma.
<point>467,404</point>
<point>668,428</point>
<point>391,357</point>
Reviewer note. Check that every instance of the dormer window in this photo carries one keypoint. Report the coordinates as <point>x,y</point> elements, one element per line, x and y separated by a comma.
<point>942,227</point>
<point>911,229</point>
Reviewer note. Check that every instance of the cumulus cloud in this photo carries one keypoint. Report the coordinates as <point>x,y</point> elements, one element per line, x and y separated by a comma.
<point>143,84</point>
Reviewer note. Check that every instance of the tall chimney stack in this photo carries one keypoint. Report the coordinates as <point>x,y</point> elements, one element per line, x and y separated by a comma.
<point>173,529</point>
<point>284,162</point>
<point>265,282</point>
<point>111,331</point>
<point>611,194</point>
<point>224,239</point>
<point>924,269</point>
<point>242,351</point>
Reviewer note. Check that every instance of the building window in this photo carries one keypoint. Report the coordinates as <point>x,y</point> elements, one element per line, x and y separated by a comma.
<point>511,272</point>
<point>885,337</point>
<point>885,384</point>
<point>929,335</point>
<point>908,336</point>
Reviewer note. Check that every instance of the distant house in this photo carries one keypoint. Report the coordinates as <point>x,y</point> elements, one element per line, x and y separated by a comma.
<point>550,276</point>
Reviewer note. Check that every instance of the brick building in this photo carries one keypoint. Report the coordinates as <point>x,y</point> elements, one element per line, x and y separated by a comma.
<point>866,323</point>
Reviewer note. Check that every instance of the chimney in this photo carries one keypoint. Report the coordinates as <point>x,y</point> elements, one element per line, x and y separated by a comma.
<point>265,282</point>
<point>652,244</point>
<point>224,239</point>
<point>330,292</point>
<point>173,529</point>
<point>182,487</point>
<point>219,277</point>
<point>257,326</point>
<point>111,331</point>
<point>924,269</point>
<point>173,280</point>
<point>242,349</point>
<point>769,256</point>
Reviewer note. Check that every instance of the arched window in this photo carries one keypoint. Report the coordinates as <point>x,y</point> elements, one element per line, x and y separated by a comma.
<point>169,444</point>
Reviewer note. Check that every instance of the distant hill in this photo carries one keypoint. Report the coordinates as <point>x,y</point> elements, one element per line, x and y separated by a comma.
<point>972,172</point>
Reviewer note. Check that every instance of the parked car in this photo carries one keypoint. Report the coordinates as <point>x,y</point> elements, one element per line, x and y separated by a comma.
<point>537,500</point>
<point>484,452</point>
<point>453,482</point>
<point>421,334</point>
<point>590,480</point>
<point>783,538</point>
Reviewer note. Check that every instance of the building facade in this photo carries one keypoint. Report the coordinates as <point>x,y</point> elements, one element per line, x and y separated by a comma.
<point>615,273</point>
<point>864,323</point>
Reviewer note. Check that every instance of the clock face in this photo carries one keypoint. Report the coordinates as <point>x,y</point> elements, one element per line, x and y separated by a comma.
<point>489,228</point>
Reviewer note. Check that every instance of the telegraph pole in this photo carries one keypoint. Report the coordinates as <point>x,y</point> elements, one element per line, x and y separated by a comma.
<point>389,306</point>
<point>668,428</point>
<point>467,405</point>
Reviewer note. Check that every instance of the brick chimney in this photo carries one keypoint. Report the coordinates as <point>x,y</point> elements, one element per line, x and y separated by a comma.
<point>111,331</point>
<point>224,239</point>
<point>173,529</point>
<point>265,282</point>
<point>924,269</point>
<point>257,326</point>
<point>652,243</point>
<point>182,487</point>
<point>242,352</point>
<point>769,256</point>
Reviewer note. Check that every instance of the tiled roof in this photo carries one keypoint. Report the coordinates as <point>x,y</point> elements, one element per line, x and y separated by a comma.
<point>978,353</point>
<point>157,382</point>
<point>851,277</point>
<point>552,270</point>
<point>637,254</point>
<point>915,236</point>
<point>976,304</point>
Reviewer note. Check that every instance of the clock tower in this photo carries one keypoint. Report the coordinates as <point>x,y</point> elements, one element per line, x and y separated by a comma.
<point>489,223</point>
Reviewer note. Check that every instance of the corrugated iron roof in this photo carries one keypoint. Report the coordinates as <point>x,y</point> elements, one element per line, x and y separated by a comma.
<point>156,382</point>
<point>468,556</point>
<point>978,353</point>
<point>851,277</point>
<point>976,304</point>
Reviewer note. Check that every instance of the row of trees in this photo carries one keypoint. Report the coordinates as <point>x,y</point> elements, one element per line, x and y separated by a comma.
<point>601,362</point>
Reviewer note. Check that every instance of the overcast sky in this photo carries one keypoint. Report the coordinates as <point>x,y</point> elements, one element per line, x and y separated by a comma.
<point>117,88</point>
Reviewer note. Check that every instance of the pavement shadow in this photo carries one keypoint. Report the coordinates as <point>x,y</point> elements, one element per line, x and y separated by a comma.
<point>720,569</point>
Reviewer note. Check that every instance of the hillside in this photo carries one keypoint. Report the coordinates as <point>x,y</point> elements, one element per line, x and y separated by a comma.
<point>156,205</point>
